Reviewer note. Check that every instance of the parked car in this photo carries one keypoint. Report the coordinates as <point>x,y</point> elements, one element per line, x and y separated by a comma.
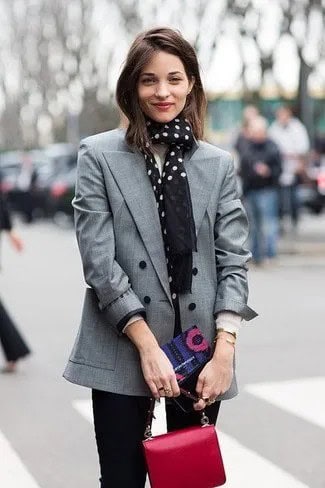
<point>9,170</point>
<point>61,194</point>
<point>27,177</point>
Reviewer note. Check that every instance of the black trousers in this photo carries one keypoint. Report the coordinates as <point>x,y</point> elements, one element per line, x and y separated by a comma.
<point>13,344</point>
<point>119,426</point>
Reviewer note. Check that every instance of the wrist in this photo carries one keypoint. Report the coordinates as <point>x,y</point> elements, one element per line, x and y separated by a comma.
<point>141,336</point>
<point>225,340</point>
<point>223,349</point>
<point>227,334</point>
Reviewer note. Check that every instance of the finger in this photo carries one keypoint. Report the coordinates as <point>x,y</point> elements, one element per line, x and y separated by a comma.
<point>207,393</point>
<point>206,390</point>
<point>210,402</point>
<point>199,386</point>
<point>168,390</point>
<point>175,387</point>
<point>161,391</point>
<point>200,405</point>
<point>154,389</point>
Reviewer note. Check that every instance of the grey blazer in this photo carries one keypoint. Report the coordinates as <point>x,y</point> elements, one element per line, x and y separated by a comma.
<point>121,247</point>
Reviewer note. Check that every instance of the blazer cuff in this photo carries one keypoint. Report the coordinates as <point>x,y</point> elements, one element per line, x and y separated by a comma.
<point>121,310</point>
<point>132,319</point>
<point>242,309</point>
<point>123,323</point>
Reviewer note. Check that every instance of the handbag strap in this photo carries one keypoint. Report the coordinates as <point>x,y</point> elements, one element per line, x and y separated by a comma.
<point>150,416</point>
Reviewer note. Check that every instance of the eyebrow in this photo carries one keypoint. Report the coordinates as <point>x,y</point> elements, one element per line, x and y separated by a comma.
<point>171,73</point>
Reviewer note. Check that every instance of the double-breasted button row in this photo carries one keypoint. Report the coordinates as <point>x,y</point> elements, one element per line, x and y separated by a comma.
<point>192,306</point>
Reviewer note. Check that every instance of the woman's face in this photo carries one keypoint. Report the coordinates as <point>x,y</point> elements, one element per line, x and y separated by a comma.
<point>163,87</point>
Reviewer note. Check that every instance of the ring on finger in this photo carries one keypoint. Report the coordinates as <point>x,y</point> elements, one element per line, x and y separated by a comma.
<point>161,388</point>
<point>167,390</point>
<point>211,402</point>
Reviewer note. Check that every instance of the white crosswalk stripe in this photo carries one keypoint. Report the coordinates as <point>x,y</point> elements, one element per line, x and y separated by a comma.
<point>13,473</point>
<point>252,470</point>
<point>296,397</point>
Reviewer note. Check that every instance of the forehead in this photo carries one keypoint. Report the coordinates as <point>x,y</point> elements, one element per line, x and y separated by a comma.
<point>284,111</point>
<point>162,62</point>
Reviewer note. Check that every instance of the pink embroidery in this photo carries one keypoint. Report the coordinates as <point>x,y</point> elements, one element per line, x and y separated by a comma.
<point>196,345</point>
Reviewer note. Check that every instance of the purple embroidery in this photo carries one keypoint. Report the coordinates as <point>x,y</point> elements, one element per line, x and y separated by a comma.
<point>187,352</point>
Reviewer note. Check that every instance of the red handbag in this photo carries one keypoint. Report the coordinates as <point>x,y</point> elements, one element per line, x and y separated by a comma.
<point>185,458</point>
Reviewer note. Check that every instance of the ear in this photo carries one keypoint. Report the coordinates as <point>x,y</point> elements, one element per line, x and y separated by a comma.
<point>191,84</point>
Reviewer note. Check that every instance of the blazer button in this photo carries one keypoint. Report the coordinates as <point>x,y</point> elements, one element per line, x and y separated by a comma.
<point>195,271</point>
<point>142,264</point>
<point>147,299</point>
<point>192,306</point>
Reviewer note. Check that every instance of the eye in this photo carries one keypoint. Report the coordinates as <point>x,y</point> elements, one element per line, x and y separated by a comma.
<point>147,81</point>
<point>175,79</point>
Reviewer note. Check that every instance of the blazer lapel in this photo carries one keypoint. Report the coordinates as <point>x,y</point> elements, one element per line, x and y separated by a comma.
<point>202,175</point>
<point>129,172</point>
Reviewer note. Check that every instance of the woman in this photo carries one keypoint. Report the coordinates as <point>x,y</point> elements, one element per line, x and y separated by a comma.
<point>160,231</point>
<point>14,346</point>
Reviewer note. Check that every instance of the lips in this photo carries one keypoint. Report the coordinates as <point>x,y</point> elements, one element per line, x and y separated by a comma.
<point>163,105</point>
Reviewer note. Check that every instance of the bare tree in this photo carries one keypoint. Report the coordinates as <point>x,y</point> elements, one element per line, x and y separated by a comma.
<point>48,43</point>
<point>59,61</point>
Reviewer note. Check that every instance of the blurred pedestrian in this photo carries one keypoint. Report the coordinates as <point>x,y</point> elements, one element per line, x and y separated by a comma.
<point>13,344</point>
<point>161,231</point>
<point>260,170</point>
<point>291,137</point>
<point>26,187</point>
<point>250,112</point>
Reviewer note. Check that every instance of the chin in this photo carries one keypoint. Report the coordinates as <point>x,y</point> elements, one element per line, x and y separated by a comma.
<point>163,117</point>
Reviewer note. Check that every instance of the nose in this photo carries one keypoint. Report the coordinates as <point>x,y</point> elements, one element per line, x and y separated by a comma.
<point>162,90</point>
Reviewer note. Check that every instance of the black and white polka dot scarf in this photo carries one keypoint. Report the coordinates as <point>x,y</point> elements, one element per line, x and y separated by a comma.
<point>173,199</point>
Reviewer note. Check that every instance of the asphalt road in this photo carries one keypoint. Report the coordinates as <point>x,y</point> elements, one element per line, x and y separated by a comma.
<point>272,433</point>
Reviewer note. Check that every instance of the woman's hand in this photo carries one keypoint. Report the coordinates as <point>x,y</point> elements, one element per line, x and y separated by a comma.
<point>216,377</point>
<point>15,241</point>
<point>158,373</point>
<point>157,369</point>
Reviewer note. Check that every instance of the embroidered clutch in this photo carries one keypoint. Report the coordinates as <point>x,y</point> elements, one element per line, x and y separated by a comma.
<point>188,352</point>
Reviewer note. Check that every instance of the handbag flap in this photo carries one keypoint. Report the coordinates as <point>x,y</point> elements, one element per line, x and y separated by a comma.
<point>186,458</point>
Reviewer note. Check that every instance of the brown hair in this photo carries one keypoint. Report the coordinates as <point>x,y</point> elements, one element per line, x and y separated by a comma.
<point>140,53</point>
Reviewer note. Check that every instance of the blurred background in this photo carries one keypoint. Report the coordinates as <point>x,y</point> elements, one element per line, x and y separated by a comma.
<point>59,62</point>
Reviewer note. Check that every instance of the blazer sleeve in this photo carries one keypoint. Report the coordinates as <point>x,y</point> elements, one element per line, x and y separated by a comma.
<point>231,232</point>
<point>95,236</point>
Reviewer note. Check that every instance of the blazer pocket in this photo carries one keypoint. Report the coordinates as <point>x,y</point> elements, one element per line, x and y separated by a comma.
<point>96,342</point>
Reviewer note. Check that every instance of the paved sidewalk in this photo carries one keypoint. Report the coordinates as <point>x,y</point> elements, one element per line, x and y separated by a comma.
<point>309,240</point>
